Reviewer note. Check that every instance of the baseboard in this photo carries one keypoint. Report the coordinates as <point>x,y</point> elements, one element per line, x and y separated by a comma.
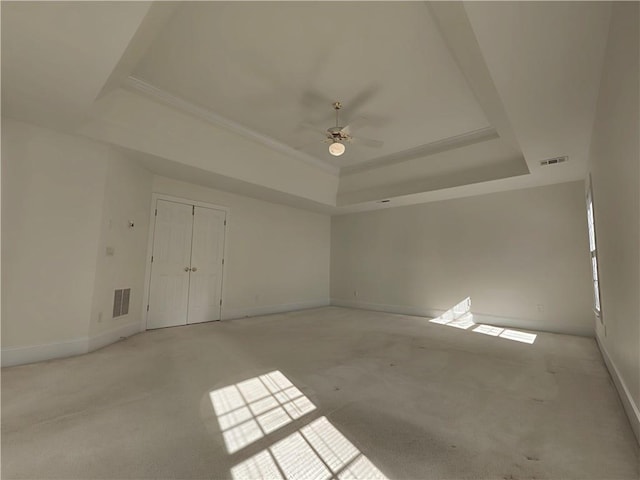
<point>37,353</point>
<point>112,336</point>
<point>233,313</point>
<point>12,356</point>
<point>632,410</point>
<point>524,324</point>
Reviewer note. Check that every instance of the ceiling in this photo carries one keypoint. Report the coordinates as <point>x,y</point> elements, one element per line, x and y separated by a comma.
<point>467,98</point>
<point>273,67</point>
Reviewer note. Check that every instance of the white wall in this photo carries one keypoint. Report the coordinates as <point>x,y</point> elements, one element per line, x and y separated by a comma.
<point>277,256</point>
<point>127,197</point>
<point>64,199</point>
<point>615,174</point>
<point>52,192</point>
<point>521,256</point>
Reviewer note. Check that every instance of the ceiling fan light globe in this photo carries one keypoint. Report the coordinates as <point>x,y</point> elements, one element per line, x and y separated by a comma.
<point>336,149</point>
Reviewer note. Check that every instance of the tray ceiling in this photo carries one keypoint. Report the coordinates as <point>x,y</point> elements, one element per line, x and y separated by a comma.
<point>468,98</point>
<point>274,67</point>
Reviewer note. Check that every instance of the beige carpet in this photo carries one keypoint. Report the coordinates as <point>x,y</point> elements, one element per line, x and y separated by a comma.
<point>321,393</point>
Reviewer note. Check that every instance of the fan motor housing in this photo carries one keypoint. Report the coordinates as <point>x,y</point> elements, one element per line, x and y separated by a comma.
<point>336,133</point>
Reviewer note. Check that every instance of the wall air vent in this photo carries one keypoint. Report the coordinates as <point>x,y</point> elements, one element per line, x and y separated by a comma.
<point>553,161</point>
<point>121,302</point>
<point>126,293</point>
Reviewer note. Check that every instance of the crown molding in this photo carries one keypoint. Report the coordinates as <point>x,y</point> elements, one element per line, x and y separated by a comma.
<point>167,98</point>
<point>450,143</point>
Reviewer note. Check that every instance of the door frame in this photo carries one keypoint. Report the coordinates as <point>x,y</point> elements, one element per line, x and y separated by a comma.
<point>152,227</point>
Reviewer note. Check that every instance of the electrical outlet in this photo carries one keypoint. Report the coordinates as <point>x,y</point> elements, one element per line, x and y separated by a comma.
<point>355,293</point>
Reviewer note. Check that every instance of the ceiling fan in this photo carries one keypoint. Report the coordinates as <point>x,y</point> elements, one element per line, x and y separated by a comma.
<point>337,136</point>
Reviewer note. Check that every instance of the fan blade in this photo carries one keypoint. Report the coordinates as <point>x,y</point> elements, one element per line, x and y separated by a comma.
<point>346,130</point>
<point>362,98</point>
<point>368,142</point>
<point>317,107</point>
<point>309,126</point>
<point>314,99</point>
<point>368,121</point>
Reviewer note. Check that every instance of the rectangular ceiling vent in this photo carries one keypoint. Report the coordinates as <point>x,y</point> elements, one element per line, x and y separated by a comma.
<point>554,161</point>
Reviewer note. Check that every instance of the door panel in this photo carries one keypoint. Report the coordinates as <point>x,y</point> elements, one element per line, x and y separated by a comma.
<point>169,288</point>
<point>206,265</point>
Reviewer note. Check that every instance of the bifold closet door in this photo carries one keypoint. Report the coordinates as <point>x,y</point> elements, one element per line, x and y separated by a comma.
<point>171,265</point>
<point>206,265</point>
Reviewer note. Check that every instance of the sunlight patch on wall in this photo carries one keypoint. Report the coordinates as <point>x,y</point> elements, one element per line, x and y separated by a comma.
<point>249,410</point>
<point>455,312</point>
<point>317,451</point>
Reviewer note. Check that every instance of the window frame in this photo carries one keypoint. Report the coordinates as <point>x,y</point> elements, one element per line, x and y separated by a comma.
<point>593,252</point>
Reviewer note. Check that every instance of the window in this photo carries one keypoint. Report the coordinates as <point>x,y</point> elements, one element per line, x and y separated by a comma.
<point>594,254</point>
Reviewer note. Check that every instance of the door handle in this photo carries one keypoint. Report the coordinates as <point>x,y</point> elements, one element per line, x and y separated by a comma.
<point>194,269</point>
<point>187,269</point>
